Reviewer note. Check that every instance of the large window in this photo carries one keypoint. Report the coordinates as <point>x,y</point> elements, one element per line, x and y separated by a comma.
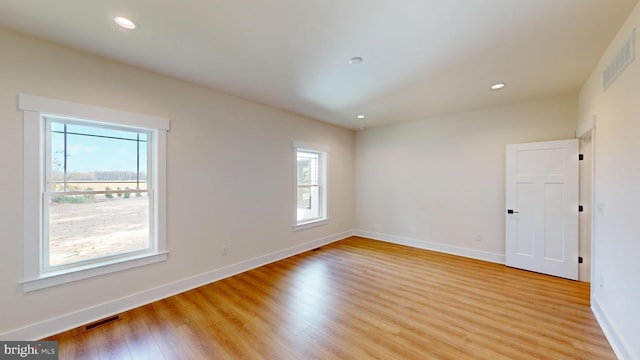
<point>94,190</point>
<point>96,200</point>
<point>311,190</point>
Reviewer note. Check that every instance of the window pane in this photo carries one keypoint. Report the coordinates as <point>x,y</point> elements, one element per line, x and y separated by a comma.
<point>94,158</point>
<point>85,227</point>
<point>308,193</point>
<point>88,155</point>
<point>304,197</point>
<point>307,168</point>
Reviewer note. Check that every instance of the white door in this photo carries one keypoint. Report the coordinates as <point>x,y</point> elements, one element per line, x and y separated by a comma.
<point>542,207</point>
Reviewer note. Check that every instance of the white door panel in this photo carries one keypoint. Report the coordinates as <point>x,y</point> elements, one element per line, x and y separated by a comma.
<point>542,192</point>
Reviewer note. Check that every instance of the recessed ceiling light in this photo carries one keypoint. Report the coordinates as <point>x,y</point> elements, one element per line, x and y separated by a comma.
<point>497,86</point>
<point>355,60</point>
<point>125,23</point>
<point>360,116</point>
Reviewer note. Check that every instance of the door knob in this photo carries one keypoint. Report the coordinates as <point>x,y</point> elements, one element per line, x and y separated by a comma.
<point>512,212</point>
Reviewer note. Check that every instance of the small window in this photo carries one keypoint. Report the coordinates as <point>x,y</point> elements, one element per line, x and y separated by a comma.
<point>94,191</point>
<point>311,190</point>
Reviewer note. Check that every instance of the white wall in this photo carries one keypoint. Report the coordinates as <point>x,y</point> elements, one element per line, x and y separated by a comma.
<point>616,237</point>
<point>438,182</point>
<point>230,182</point>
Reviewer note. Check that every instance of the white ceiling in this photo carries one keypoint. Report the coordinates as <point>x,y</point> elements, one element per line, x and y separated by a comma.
<point>422,58</point>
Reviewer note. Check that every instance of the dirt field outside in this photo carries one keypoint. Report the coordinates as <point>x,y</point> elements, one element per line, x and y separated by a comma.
<point>104,185</point>
<point>82,231</point>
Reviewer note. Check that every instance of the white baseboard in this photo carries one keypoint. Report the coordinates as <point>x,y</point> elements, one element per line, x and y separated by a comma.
<point>609,331</point>
<point>428,245</point>
<point>81,317</point>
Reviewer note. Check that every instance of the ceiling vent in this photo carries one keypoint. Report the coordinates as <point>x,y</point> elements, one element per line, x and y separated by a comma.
<point>620,61</point>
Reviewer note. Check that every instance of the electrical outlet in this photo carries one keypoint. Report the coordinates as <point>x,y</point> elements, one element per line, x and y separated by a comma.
<point>478,237</point>
<point>225,250</point>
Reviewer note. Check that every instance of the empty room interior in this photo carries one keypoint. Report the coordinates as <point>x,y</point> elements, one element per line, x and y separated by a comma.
<point>336,179</point>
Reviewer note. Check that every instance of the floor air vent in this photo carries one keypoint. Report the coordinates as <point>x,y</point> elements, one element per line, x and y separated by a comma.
<point>102,322</point>
<point>620,61</point>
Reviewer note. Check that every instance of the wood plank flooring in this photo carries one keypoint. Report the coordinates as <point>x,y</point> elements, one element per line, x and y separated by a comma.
<point>359,299</point>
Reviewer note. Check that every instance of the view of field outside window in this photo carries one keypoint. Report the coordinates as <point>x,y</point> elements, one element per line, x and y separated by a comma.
<point>96,201</point>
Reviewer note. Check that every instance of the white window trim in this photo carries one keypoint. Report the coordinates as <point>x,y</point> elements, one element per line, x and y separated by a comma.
<point>33,167</point>
<point>298,145</point>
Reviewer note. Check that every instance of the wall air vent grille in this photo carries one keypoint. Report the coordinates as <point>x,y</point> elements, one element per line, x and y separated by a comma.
<point>620,61</point>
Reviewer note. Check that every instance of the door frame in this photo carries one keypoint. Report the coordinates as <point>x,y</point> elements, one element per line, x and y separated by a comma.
<point>586,130</point>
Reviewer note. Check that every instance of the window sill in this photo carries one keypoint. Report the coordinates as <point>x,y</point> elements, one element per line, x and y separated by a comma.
<point>310,224</point>
<point>70,275</point>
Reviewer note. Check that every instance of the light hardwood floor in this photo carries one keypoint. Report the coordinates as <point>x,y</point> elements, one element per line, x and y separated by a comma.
<point>359,299</point>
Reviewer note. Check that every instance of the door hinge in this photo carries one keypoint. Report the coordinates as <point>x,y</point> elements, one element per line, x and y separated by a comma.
<point>580,208</point>
<point>581,157</point>
<point>580,260</point>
